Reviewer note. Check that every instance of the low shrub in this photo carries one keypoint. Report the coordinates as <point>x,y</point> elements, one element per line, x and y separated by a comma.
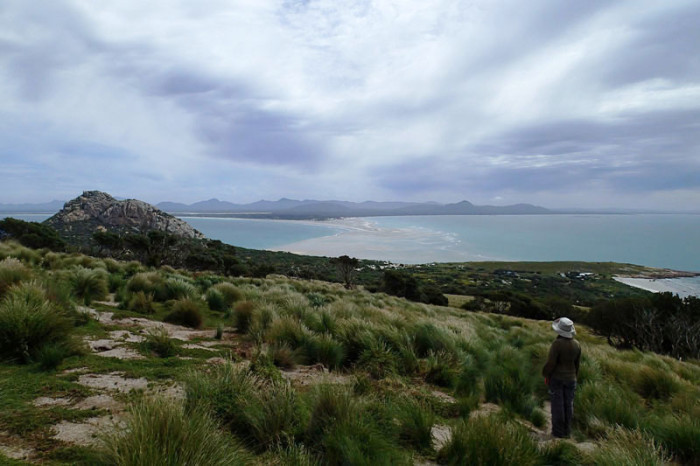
<point>185,312</point>
<point>160,431</point>
<point>489,441</point>
<point>51,355</point>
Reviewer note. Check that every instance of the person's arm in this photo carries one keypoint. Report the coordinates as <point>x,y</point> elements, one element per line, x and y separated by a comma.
<point>551,361</point>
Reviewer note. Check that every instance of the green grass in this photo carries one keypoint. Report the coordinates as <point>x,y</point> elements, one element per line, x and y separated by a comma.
<point>186,312</point>
<point>160,432</point>
<point>488,441</point>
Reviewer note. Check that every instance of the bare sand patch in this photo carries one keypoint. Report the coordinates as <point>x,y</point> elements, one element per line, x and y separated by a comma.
<point>308,375</point>
<point>486,409</point>
<point>48,401</point>
<point>99,402</point>
<point>114,381</point>
<point>444,397</point>
<point>16,453</point>
<point>84,433</point>
<point>441,435</point>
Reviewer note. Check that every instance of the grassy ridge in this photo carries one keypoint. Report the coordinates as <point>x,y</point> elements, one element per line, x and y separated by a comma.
<point>392,371</point>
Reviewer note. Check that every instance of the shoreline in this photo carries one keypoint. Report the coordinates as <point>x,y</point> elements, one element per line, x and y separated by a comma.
<point>683,286</point>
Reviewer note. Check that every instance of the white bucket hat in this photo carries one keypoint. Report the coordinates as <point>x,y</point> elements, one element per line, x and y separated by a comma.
<point>564,327</point>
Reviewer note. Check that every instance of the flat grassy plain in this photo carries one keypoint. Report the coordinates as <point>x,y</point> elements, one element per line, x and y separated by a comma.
<point>164,366</point>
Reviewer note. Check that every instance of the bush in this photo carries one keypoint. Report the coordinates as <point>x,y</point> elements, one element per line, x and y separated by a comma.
<point>488,441</point>
<point>185,312</point>
<point>28,322</point>
<point>160,431</point>
<point>89,285</point>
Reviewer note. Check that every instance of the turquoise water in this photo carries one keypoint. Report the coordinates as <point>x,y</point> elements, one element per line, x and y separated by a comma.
<point>259,234</point>
<point>670,241</point>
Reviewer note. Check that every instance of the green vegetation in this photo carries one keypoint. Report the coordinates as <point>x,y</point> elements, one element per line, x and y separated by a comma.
<point>307,372</point>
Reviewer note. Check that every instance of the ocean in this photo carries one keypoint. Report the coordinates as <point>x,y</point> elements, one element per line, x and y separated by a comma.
<point>663,240</point>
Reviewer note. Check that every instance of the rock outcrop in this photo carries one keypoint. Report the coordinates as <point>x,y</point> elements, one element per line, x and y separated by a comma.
<point>98,211</point>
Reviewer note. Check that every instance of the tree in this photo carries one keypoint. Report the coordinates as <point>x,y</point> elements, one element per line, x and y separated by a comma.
<point>346,269</point>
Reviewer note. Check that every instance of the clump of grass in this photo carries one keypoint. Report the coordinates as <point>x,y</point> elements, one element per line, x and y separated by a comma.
<point>185,312</point>
<point>655,383</point>
<point>257,411</point>
<point>159,342</point>
<point>215,300</point>
<point>219,331</point>
<point>243,315</point>
<point>160,431</point>
<point>629,448</point>
<point>324,349</point>
<point>12,271</point>
<point>429,338</point>
<point>415,425</point>
<point>89,284</point>
<point>293,455</point>
<point>508,381</point>
<point>286,330</point>
<point>283,356</point>
<point>148,282</point>
<point>28,322</point>
<point>441,369</point>
<point>141,302</point>
<point>467,379</point>
<point>175,288</point>
<point>679,435</point>
<point>51,355</point>
<point>561,454</point>
<point>230,292</point>
<point>607,402</point>
<point>487,440</point>
<point>377,359</point>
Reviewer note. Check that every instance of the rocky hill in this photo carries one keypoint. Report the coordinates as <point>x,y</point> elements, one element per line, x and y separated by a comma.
<point>98,211</point>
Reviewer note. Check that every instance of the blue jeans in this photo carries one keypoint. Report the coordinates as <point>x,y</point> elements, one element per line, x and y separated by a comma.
<point>562,397</point>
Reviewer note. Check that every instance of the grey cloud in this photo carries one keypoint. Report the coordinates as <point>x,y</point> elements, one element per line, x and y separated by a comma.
<point>662,47</point>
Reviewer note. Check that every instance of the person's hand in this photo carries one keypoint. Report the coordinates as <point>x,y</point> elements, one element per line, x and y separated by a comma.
<point>546,380</point>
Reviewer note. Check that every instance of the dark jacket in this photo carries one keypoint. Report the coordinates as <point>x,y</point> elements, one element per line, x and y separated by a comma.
<point>563,360</point>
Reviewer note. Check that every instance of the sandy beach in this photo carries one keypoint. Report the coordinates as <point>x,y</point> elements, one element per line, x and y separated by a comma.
<point>683,287</point>
<point>361,238</point>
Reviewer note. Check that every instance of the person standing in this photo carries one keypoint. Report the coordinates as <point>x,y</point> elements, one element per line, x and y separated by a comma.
<point>560,373</point>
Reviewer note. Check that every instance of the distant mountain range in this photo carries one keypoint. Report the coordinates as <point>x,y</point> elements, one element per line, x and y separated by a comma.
<point>294,209</point>
<point>45,207</point>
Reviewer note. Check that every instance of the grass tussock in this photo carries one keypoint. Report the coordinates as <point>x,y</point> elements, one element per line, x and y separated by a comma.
<point>158,341</point>
<point>185,312</point>
<point>160,431</point>
<point>29,322</point>
<point>90,284</point>
<point>629,448</point>
<point>12,271</point>
<point>489,441</point>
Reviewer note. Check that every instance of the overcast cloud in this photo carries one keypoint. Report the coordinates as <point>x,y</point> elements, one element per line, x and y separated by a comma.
<point>587,104</point>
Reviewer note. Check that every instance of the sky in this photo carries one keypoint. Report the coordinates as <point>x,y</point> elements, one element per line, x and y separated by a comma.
<point>557,103</point>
